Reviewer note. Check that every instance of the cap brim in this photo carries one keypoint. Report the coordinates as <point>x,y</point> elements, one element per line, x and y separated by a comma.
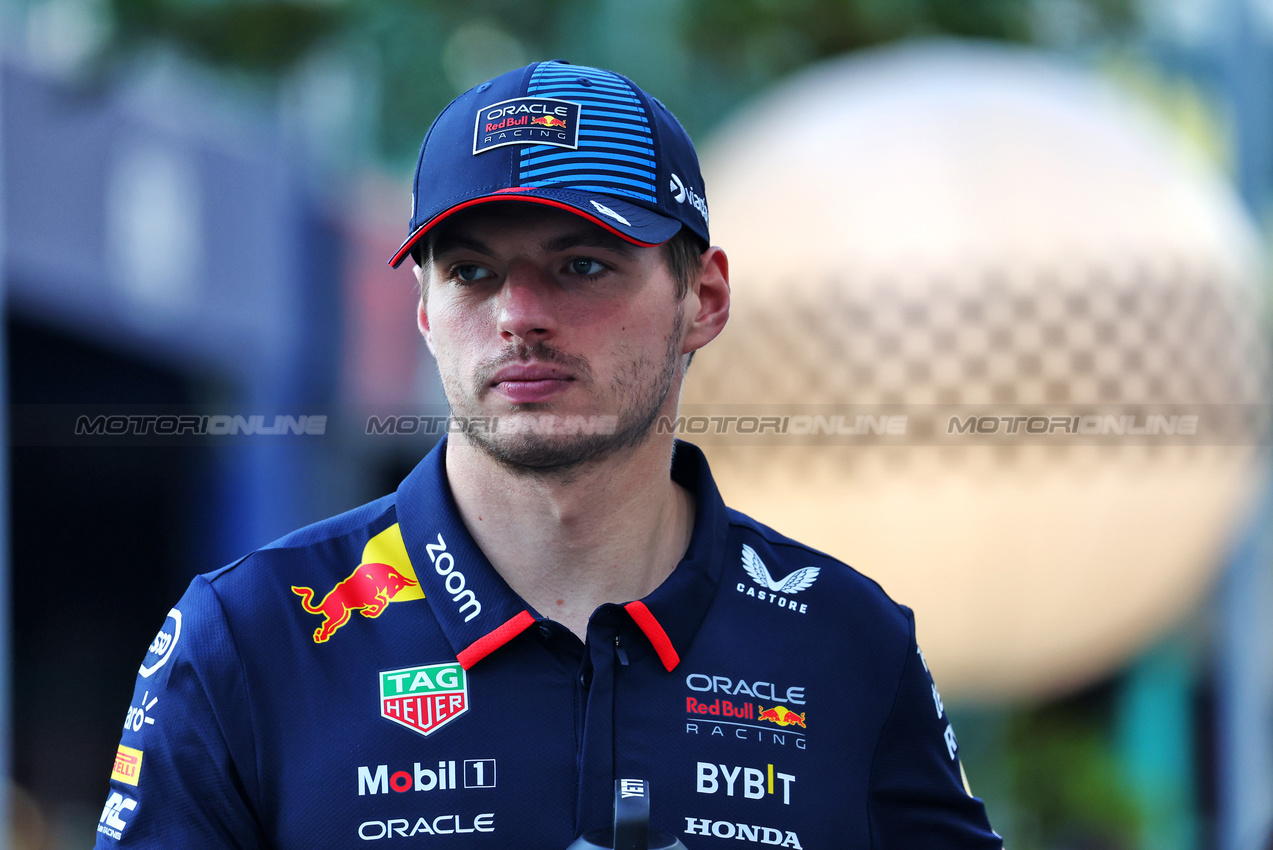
<point>630,222</point>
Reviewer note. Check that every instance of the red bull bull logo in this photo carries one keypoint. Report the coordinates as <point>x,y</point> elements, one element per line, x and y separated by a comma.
<point>782,715</point>
<point>548,121</point>
<point>368,590</point>
<point>385,575</point>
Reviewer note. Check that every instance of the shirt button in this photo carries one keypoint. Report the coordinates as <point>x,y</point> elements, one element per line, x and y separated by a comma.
<point>545,630</point>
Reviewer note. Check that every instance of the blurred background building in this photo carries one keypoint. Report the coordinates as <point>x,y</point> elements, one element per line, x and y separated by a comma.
<point>940,208</point>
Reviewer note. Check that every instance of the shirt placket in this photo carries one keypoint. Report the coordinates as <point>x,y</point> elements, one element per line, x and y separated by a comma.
<point>604,659</point>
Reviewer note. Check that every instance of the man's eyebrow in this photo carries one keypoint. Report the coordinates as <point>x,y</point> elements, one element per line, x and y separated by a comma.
<point>591,239</point>
<point>446,242</point>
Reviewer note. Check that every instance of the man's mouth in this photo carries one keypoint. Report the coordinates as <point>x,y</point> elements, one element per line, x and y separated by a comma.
<point>526,383</point>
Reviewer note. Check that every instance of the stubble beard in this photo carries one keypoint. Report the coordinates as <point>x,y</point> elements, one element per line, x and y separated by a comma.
<point>525,448</point>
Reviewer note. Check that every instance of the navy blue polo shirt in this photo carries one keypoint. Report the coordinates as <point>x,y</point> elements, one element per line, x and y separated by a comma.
<point>372,681</point>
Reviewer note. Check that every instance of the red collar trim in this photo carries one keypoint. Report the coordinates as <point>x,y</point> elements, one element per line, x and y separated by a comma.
<point>494,639</point>
<point>654,632</point>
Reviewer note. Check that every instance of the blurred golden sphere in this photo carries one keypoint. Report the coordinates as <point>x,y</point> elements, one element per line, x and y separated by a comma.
<point>944,229</point>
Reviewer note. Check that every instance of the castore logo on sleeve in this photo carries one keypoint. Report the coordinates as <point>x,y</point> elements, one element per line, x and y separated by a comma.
<point>775,591</point>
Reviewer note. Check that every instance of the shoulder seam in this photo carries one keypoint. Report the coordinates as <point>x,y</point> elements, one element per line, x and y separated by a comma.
<point>247,688</point>
<point>897,690</point>
<point>213,575</point>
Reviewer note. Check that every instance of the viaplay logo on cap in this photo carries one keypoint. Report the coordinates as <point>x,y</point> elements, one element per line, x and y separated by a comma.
<point>527,121</point>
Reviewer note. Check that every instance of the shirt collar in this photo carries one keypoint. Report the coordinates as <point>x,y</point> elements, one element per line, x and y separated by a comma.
<point>477,610</point>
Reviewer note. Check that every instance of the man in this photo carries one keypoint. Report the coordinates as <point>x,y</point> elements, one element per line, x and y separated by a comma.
<point>556,597</point>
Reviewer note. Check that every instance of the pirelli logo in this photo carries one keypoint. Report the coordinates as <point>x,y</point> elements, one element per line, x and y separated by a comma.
<point>127,765</point>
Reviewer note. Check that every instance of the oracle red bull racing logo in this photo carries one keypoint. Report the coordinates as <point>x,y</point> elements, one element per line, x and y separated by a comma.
<point>527,121</point>
<point>424,699</point>
<point>719,716</point>
<point>385,575</point>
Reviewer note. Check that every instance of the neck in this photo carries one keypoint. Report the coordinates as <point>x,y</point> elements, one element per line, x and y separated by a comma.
<point>610,532</point>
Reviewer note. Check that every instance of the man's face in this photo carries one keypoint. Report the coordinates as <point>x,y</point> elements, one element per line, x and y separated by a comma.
<point>569,335</point>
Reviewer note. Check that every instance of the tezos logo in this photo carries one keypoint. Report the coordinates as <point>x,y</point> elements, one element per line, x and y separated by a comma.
<point>162,646</point>
<point>527,121</point>
<point>424,699</point>
<point>750,782</point>
<point>681,193</point>
<point>775,591</point>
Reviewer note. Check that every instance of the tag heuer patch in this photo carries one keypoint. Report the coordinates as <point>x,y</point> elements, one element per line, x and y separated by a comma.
<point>424,699</point>
<point>527,121</point>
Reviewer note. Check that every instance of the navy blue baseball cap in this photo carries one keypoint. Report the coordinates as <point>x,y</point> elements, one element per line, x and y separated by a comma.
<point>581,139</point>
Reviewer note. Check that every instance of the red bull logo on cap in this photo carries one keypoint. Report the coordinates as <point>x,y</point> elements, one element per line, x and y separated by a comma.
<point>385,575</point>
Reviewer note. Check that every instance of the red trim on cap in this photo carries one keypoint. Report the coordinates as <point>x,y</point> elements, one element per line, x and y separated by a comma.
<point>658,638</point>
<point>493,640</point>
<point>503,195</point>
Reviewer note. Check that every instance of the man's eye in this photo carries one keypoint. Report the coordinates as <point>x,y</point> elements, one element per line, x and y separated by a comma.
<point>469,273</point>
<point>586,266</point>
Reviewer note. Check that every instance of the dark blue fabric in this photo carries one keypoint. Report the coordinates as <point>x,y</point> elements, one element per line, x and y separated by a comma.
<point>801,716</point>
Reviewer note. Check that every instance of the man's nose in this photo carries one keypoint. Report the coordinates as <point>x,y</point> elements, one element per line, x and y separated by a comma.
<point>526,306</point>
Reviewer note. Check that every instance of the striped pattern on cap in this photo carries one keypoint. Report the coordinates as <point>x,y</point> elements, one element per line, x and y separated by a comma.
<point>616,143</point>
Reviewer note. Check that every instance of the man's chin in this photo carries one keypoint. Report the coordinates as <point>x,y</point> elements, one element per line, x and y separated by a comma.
<point>551,444</point>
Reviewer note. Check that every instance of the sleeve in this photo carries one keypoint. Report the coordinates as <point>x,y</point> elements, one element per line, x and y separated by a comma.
<point>184,774</point>
<point>918,796</point>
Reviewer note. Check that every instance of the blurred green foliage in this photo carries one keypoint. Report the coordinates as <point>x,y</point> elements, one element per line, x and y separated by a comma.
<point>264,37</point>
<point>1067,780</point>
<point>703,57</point>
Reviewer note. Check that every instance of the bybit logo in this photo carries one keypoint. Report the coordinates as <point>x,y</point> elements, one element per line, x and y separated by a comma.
<point>756,784</point>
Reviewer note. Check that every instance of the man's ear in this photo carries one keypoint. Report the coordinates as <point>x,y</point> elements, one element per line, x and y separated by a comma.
<point>422,311</point>
<point>707,302</point>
